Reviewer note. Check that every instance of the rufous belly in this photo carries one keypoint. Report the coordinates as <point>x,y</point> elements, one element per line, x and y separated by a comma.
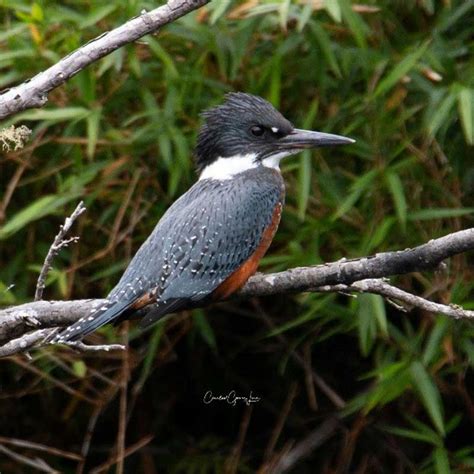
<point>238,278</point>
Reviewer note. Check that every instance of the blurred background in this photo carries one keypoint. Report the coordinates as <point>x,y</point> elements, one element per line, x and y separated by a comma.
<point>352,382</point>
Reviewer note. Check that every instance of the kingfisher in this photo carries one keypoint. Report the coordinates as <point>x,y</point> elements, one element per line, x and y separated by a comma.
<point>211,240</point>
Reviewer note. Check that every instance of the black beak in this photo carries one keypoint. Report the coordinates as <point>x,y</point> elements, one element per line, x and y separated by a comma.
<point>300,139</point>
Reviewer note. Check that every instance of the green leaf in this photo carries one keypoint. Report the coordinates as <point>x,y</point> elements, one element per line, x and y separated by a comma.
<point>304,183</point>
<point>428,214</point>
<point>358,187</point>
<point>13,31</point>
<point>6,56</point>
<point>387,390</point>
<point>428,437</point>
<point>79,368</point>
<point>366,323</point>
<point>440,114</point>
<point>75,183</point>
<point>37,12</point>
<point>55,115</point>
<point>150,356</point>
<point>97,14</point>
<point>93,121</point>
<point>398,195</point>
<point>305,167</point>
<point>370,315</point>
<point>220,8</point>
<point>7,298</point>
<point>204,328</point>
<point>326,46</point>
<point>468,348</point>
<point>379,235</point>
<point>275,81</point>
<point>433,344</point>
<point>164,57</point>
<point>304,17</point>
<point>301,319</point>
<point>466,112</point>
<point>355,22</point>
<point>283,12</point>
<point>263,9</point>
<point>428,5</point>
<point>36,210</point>
<point>441,461</point>
<point>456,13</point>
<point>378,310</point>
<point>334,9</point>
<point>401,69</point>
<point>429,394</point>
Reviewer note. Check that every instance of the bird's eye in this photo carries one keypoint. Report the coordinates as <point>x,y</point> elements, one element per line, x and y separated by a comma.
<point>257,130</point>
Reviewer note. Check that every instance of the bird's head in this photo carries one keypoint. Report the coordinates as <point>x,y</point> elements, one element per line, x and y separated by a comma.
<point>247,131</point>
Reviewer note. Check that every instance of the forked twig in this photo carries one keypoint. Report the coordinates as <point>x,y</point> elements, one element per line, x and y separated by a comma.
<point>59,243</point>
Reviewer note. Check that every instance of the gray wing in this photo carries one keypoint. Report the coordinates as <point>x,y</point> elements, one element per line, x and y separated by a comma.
<point>202,239</point>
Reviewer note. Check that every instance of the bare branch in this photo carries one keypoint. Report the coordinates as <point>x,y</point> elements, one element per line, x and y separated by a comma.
<point>25,342</point>
<point>424,257</point>
<point>59,242</point>
<point>33,92</point>
<point>382,288</point>
<point>359,275</point>
<point>130,450</point>
<point>81,347</point>
<point>36,463</point>
<point>21,443</point>
<point>307,445</point>
<point>18,320</point>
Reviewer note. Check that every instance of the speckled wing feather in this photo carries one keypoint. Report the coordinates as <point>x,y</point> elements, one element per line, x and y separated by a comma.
<point>205,236</point>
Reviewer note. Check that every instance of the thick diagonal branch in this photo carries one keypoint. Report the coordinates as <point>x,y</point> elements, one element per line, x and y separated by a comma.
<point>34,91</point>
<point>15,322</point>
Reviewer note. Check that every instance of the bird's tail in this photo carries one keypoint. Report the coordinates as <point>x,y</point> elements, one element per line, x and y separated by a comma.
<point>97,318</point>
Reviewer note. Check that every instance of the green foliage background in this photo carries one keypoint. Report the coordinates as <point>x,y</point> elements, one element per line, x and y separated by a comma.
<point>398,76</point>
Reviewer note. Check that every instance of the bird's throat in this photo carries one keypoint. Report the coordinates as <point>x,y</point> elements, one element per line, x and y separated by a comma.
<point>228,167</point>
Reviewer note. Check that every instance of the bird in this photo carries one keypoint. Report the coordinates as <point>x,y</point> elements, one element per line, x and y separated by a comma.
<point>212,238</point>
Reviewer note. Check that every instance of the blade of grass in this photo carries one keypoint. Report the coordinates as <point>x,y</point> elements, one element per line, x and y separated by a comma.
<point>429,394</point>
<point>401,69</point>
<point>466,112</point>
<point>205,329</point>
<point>398,195</point>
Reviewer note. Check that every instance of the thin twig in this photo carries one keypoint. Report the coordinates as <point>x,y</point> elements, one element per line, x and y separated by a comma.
<point>130,450</point>
<point>309,378</point>
<point>59,243</point>
<point>382,288</point>
<point>23,343</point>
<point>332,395</point>
<point>122,428</point>
<point>306,446</point>
<point>232,462</point>
<point>276,432</point>
<point>10,189</point>
<point>34,92</point>
<point>21,443</point>
<point>107,395</point>
<point>81,347</point>
<point>53,380</point>
<point>36,463</point>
